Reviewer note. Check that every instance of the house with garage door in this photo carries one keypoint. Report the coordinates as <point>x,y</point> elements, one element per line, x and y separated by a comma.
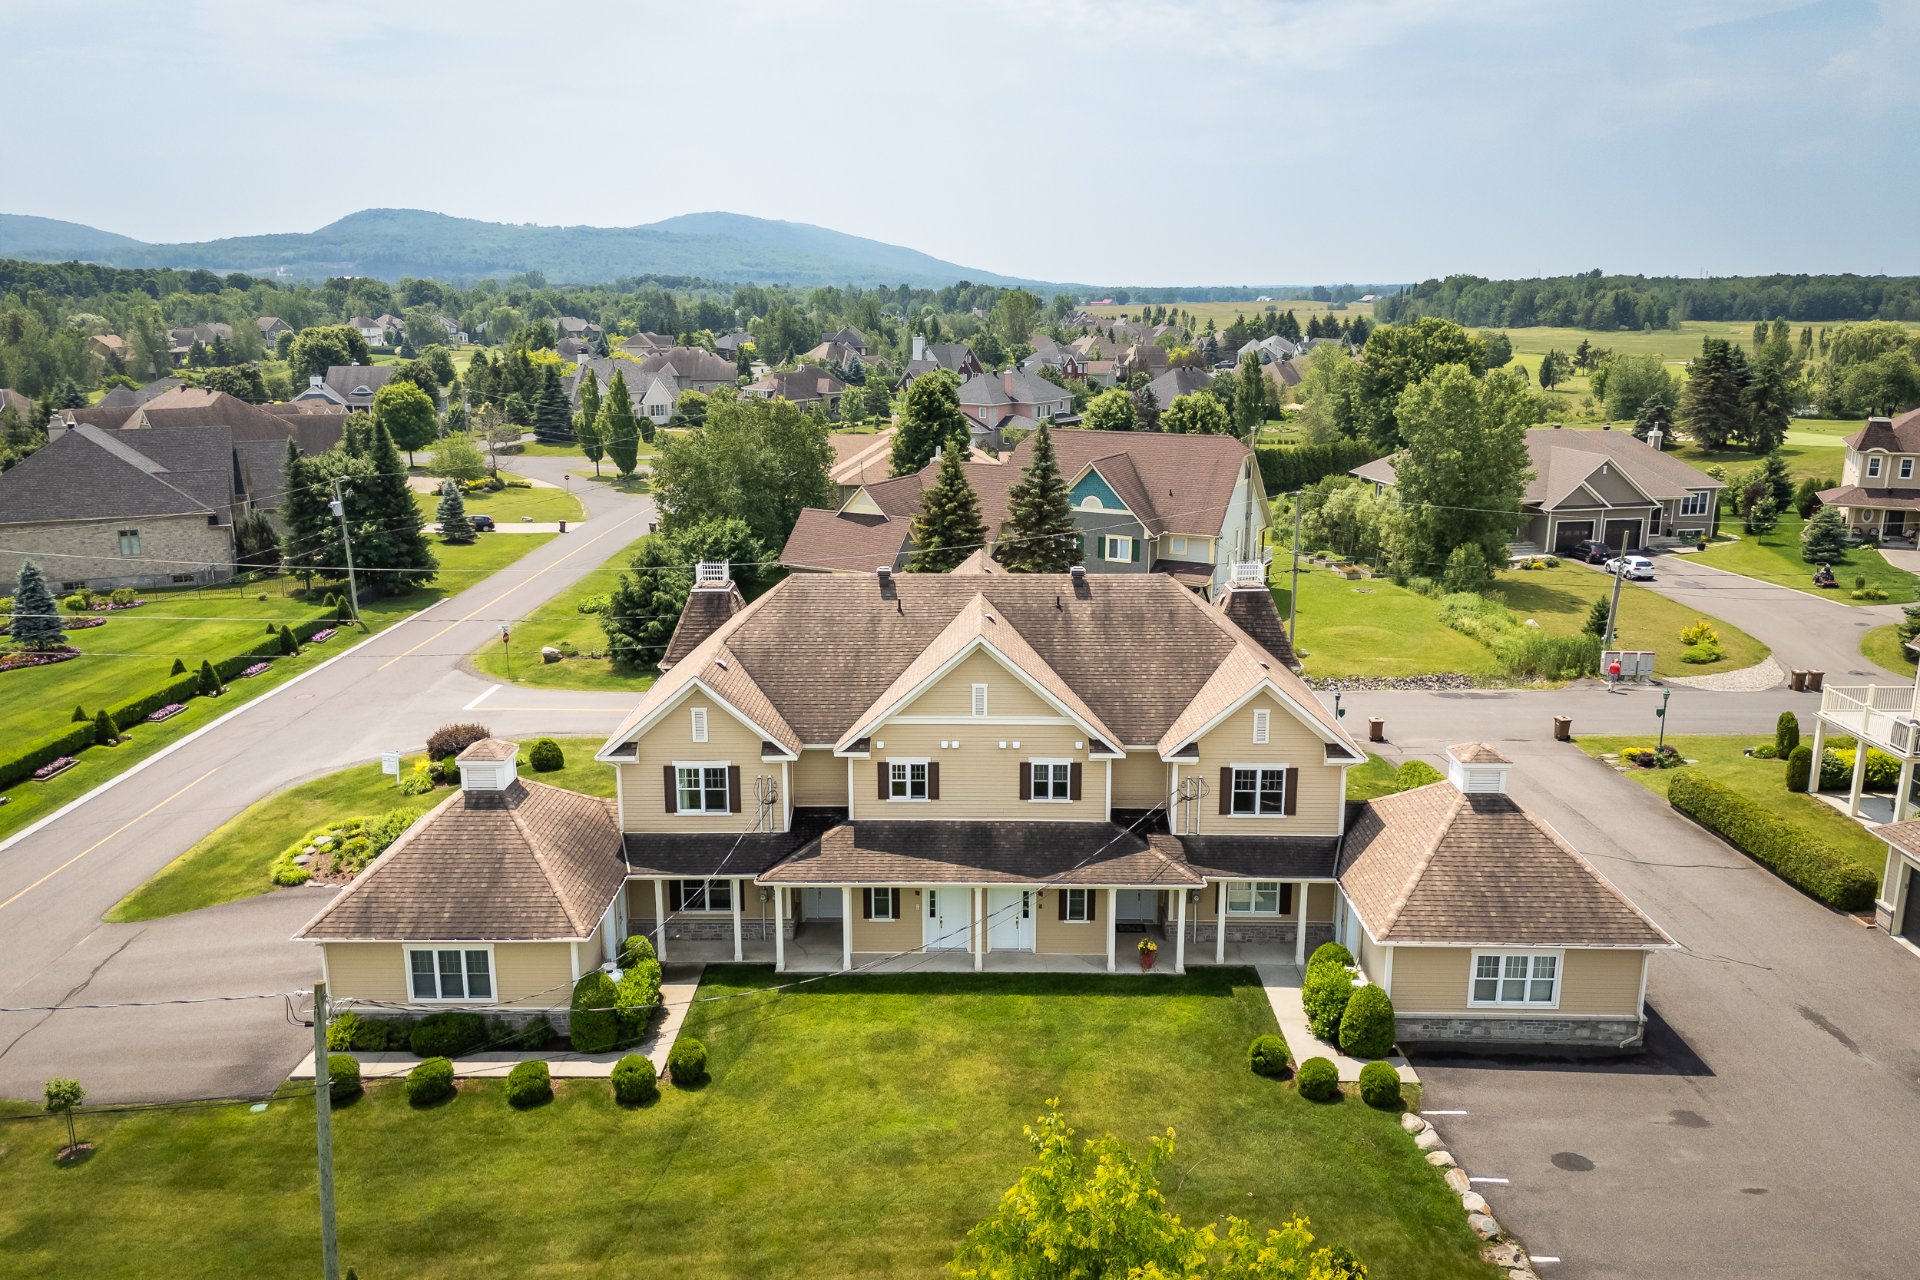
<point>1601,484</point>
<point>993,772</point>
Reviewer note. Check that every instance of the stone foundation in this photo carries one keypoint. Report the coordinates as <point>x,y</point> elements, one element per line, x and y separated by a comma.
<point>720,929</point>
<point>1260,932</point>
<point>1624,1035</point>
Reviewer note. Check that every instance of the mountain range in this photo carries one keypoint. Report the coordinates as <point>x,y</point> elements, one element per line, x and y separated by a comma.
<point>390,243</point>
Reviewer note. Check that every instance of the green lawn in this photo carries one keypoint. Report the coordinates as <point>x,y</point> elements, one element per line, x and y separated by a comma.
<point>232,862</point>
<point>511,506</point>
<point>1882,645</point>
<point>852,1127</point>
<point>1558,599</point>
<point>1775,557</point>
<point>1762,781</point>
<point>559,621</point>
<point>1373,628</point>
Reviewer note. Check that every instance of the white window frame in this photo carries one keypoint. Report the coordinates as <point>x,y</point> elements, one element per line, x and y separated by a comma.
<point>702,787</point>
<point>873,903</point>
<point>1091,503</point>
<point>1504,956</point>
<point>1177,546</point>
<point>1248,894</point>
<point>1079,906</point>
<point>699,724</point>
<point>130,542</point>
<point>1062,781</point>
<point>1124,541</point>
<point>979,700</point>
<point>703,891</point>
<point>1262,726</point>
<point>1695,503</point>
<point>1259,771</point>
<point>1906,468</point>
<point>1875,465</point>
<point>904,775</point>
<point>466,973</point>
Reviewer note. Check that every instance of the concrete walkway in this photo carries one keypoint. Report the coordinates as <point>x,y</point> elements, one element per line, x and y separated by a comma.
<point>1282,985</point>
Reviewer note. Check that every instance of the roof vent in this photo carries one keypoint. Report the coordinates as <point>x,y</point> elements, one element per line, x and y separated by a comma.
<point>1079,573</point>
<point>490,764</point>
<point>712,574</point>
<point>1477,769</point>
<point>886,574</point>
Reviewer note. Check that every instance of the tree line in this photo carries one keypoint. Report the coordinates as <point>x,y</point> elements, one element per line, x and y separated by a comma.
<point>1619,302</point>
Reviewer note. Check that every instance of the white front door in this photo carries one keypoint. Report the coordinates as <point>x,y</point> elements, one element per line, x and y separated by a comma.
<point>819,904</point>
<point>944,926</point>
<point>1010,919</point>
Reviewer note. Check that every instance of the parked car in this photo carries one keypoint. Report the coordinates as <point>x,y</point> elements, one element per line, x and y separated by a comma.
<point>1638,568</point>
<point>481,524</point>
<point>1590,551</point>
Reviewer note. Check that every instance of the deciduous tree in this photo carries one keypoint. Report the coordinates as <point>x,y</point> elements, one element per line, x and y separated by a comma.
<point>1196,413</point>
<point>758,461</point>
<point>1464,467</point>
<point>406,412</point>
<point>1112,410</point>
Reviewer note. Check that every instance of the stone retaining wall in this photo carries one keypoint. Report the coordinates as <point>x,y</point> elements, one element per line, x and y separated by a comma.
<point>721,930</point>
<point>1617,1034</point>
<point>1261,932</point>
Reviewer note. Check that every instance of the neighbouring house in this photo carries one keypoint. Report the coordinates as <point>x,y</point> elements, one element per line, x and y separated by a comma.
<point>691,368</point>
<point>642,345</point>
<point>352,386</point>
<point>576,327</point>
<point>1878,493</point>
<point>955,357</point>
<point>1271,349</point>
<point>808,385</point>
<point>1599,484</point>
<point>835,355</point>
<point>181,342</point>
<point>19,401</point>
<point>1897,908</point>
<point>1188,506</point>
<point>1048,354</point>
<point>993,402</point>
<point>654,395</point>
<point>729,344</point>
<point>861,458</point>
<point>271,327</point>
<point>818,780</point>
<point>574,349</point>
<point>456,336</point>
<point>1887,718</point>
<point>1176,382</point>
<point>1143,357</point>
<point>128,397</point>
<point>850,337</point>
<point>1283,376</point>
<point>372,330</point>
<point>110,347</point>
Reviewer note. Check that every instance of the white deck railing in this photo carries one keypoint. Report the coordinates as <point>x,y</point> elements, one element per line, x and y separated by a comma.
<point>1888,716</point>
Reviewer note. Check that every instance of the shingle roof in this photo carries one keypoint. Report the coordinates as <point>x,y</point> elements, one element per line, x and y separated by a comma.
<point>1433,865</point>
<point>1178,382</point>
<point>1476,753</point>
<point>88,472</point>
<point>706,609</point>
<point>690,364</point>
<point>528,863</point>
<point>1563,460</point>
<point>1853,495</point>
<point>1282,857</point>
<point>1255,613</point>
<point>849,543</point>
<point>891,853</point>
<point>1893,435</point>
<point>800,385</point>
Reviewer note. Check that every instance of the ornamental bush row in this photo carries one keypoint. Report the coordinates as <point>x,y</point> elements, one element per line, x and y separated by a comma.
<point>1812,867</point>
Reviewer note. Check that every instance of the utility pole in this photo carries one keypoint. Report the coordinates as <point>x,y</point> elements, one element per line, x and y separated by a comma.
<point>340,494</point>
<point>1613,609</point>
<point>1293,592</point>
<point>323,1129</point>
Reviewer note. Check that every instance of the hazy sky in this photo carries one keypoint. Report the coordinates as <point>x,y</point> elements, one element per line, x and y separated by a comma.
<point>1107,141</point>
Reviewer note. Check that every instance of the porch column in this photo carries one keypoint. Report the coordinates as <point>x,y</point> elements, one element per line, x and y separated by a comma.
<point>734,897</point>
<point>660,920</point>
<point>1220,923</point>
<point>1113,905</point>
<point>1819,744</point>
<point>779,928</point>
<point>1905,786</point>
<point>1300,928</point>
<point>846,927</point>
<point>1180,935</point>
<point>979,940</point>
<point>1859,775</point>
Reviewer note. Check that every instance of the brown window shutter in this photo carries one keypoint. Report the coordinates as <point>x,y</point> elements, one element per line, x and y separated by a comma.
<point>1093,895</point>
<point>1073,781</point>
<point>1226,789</point>
<point>674,896</point>
<point>733,786</point>
<point>1026,781</point>
<point>673,788</point>
<point>933,780</point>
<point>1290,802</point>
<point>880,768</point>
<point>1061,896</point>
<point>866,904</point>
<point>1286,898</point>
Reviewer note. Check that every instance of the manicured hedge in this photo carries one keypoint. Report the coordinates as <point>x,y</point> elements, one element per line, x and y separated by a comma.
<point>448,1035</point>
<point>592,1024</point>
<point>1286,467</point>
<point>1379,1085</point>
<point>1366,1027</point>
<point>1324,996</point>
<point>529,1084</point>
<point>687,1061</point>
<point>634,1083</point>
<point>1267,1055</point>
<point>430,1082</point>
<point>19,766</point>
<point>1799,767</point>
<point>1809,866</point>
<point>1329,953</point>
<point>343,1077</point>
<point>1318,1080</point>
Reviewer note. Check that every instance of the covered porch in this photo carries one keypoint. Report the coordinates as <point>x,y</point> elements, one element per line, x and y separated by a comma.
<point>1883,717</point>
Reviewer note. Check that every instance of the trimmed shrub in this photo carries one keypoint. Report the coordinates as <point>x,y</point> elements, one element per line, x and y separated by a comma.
<point>179,667</point>
<point>343,1077</point>
<point>545,756</point>
<point>1883,771</point>
<point>80,713</point>
<point>1835,772</point>
<point>592,1023</point>
<point>75,603</point>
<point>447,1035</point>
<point>374,1035</point>
<point>1329,953</point>
<point>635,998</point>
<point>1813,868</point>
<point>430,1082</point>
<point>1701,654</point>
<point>529,1084</point>
<point>105,731</point>
<point>1765,751</point>
<point>1380,1086</point>
<point>1324,995</point>
<point>452,739</point>
<point>634,1084</point>
<point>636,948</point>
<point>1267,1055</point>
<point>687,1061</point>
<point>341,1030</point>
<point>1366,1026</point>
<point>1786,733</point>
<point>1318,1080</point>
<point>288,645</point>
<point>1699,632</point>
<point>1799,767</point>
<point>1414,773</point>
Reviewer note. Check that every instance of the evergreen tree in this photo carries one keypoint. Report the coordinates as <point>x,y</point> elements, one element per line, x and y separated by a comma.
<point>517,411</point>
<point>1038,535</point>
<point>1775,481</point>
<point>452,515</point>
<point>1764,404</point>
<point>1763,513</point>
<point>930,420</point>
<point>588,416</point>
<point>1824,539</point>
<point>618,428</point>
<point>1249,395</point>
<point>1655,411</point>
<point>551,418</point>
<point>644,608</point>
<point>105,731</point>
<point>1710,406</point>
<point>69,395</point>
<point>311,530</point>
<point>288,644</point>
<point>209,679</point>
<point>1597,612</point>
<point>36,615</point>
<point>387,540</point>
<point>947,528</point>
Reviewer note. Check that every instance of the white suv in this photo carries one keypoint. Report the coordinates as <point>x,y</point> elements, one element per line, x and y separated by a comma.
<point>1639,568</point>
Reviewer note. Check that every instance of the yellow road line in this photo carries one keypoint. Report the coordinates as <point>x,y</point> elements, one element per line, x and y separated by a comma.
<point>104,839</point>
<point>503,595</point>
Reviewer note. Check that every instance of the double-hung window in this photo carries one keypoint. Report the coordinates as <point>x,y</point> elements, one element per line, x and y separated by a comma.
<point>1258,898</point>
<point>1527,978</point>
<point>451,973</point>
<point>1874,464</point>
<point>701,788</point>
<point>1052,780</point>
<point>906,780</point>
<point>1259,791</point>
<point>1076,906</point>
<point>1906,468</point>
<point>1116,549</point>
<point>882,904</point>
<point>706,895</point>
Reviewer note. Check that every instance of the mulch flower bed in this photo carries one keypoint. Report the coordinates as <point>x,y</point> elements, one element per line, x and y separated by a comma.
<point>167,712</point>
<point>257,669</point>
<point>321,637</point>
<point>37,658</point>
<point>66,624</point>
<point>53,767</point>
<point>103,606</point>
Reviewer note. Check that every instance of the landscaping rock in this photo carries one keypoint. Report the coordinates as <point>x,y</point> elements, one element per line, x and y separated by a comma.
<point>1507,1254</point>
<point>302,859</point>
<point>1457,1181</point>
<point>1363,684</point>
<point>1473,1202</point>
<point>1483,1225</point>
<point>1413,1123</point>
<point>549,654</point>
<point>1523,1273</point>
<point>1426,1140</point>
<point>1441,1159</point>
<point>323,841</point>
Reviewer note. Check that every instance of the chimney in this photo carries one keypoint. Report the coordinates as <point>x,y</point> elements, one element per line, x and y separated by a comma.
<point>1879,421</point>
<point>712,575</point>
<point>919,347</point>
<point>1477,769</point>
<point>886,574</point>
<point>489,765</point>
<point>1079,573</point>
<point>1006,380</point>
<point>314,380</point>
<point>1655,438</point>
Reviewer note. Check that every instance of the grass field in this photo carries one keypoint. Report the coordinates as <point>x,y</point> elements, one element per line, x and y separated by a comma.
<point>1224,313</point>
<point>1762,781</point>
<point>559,621</point>
<point>232,863</point>
<point>1374,628</point>
<point>1882,645</point>
<point>512,506</point>
<point>1559,600</point>
<point>852,1127</point>
<point>1775,557</point>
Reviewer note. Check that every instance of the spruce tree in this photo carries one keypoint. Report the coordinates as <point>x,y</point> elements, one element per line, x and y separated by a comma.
<point>1776,479</point>
<point>1824,539</point>
<point>618,427</point>
<point>1764,404</point>
<point>452,515</point>
<point>387,541</point>
<point>1038,536</point>
<point>644,608</point>
<point>947,528</point>
<point>209,679</point>
<point>930,420</point>
<point>551,418</point>
<point>310,529</point>
<point>36,615</point>
<point>586,422</point>
<point>105,731</point>
<point>1710,406</point>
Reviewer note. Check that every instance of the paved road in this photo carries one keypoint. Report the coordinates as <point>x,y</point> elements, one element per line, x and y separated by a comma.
<point>57,882</point>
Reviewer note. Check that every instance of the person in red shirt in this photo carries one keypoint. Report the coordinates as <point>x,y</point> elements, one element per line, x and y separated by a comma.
<point>1613,676</point>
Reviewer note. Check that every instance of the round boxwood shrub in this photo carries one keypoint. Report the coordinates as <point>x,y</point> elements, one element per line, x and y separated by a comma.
<point>1267,1055</point>
<point>634,1084</point>
<point>447,1035</point>
<point>1414,773</point>
<point>1319,1080</point>
<point>545,756</point>
<point>1329,953</point>
<point>1366,1028</point>
<point>687,1061</point>
<point>343,1077</point>
<point>430,1082</point>
<point>529,1084</point>
<point>1799,767</point>
<point>592,1024</point>
<point>1324,996</point>
<point>1380,1086</point>
<point>635,949</point>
